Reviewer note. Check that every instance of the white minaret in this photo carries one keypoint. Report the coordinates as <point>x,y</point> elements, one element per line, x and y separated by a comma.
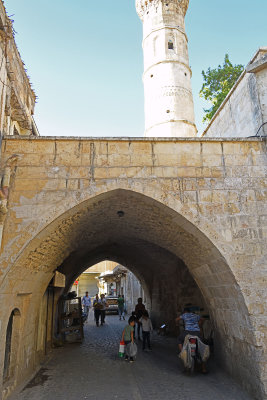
<point>169,107</point>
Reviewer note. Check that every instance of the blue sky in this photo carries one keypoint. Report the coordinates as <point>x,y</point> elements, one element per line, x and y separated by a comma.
<point>85,58</point>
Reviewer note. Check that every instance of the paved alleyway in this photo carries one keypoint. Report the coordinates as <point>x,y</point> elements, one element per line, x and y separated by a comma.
<point>93,371</point>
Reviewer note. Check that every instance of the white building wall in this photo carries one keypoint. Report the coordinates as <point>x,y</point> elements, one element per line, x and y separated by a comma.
<point>245,108</point>
<point>131,288</point>
<point>262,92</point>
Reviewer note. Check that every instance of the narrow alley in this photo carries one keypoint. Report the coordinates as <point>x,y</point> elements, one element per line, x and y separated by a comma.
<point>92,370</point>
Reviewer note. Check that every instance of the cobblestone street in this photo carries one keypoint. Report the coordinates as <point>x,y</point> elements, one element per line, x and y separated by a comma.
<point>93,370</point>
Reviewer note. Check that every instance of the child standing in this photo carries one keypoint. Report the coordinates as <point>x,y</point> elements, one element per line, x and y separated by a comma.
<point>128,336</point>
<point>146,329</point>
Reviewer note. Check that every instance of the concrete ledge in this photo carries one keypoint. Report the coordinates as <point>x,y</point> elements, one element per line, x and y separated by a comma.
<point>137,139</point>
<point>258,65</point>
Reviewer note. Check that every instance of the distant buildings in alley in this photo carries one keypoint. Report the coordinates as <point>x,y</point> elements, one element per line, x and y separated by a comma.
<point>111,279</point>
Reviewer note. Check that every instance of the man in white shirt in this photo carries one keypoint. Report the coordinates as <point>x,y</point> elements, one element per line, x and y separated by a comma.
<point>97,309</point>
<point>86,302</point>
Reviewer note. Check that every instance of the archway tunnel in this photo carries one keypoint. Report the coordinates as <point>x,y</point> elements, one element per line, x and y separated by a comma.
<point>175,262</point>
<point>166,280</point>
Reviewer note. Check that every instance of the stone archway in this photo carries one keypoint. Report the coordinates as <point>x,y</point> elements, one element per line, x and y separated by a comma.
<point>155,241</point>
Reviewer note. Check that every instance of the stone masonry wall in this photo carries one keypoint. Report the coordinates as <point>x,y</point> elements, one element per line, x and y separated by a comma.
<point>200,201</point>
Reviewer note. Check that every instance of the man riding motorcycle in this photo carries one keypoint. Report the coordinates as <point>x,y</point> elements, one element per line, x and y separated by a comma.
<point>192,323</point>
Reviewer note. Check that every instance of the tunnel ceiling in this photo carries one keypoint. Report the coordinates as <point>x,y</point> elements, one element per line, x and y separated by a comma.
<point>141,257</point>
<point>148,233</point>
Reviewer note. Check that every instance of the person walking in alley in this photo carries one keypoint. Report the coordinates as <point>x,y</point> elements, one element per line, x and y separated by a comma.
<point>103,308</point>
<point>121,306</point>
<point>97,309</point>
<point>86,302</point>
<point>139,310</point>
<point>128,337</point>
<point>147,327</point>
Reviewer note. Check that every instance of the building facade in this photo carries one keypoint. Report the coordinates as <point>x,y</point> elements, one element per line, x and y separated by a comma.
<point>17,98</point>
<point>88,281</point>
<point>121,281</point>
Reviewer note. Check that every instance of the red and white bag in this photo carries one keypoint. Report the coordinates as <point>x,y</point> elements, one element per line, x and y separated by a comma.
<point>121,349</point>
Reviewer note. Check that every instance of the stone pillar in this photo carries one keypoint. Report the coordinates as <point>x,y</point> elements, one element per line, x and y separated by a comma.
<point>169,107</point>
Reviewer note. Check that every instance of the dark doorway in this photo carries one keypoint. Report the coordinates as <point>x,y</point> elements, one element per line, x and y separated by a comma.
<point>8,346</point>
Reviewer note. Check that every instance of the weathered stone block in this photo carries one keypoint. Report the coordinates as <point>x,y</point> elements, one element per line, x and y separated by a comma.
<point>30,147</point>
<point>30,184</point>
<point>212,160</point>
<point>208,148</point>
<point>68,159</point>
<point>116,160</point>
<point>139,160</point>
<point>237,159</point>
<point>176,148</point>
<point>68,146</point>
<point>187,172</point>
<point>231,148</point>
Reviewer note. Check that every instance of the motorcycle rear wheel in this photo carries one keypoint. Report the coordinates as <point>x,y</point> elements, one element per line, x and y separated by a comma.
<point>192,369</point>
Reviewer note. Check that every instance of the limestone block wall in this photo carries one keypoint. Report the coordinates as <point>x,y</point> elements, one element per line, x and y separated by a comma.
<point>200,202</point>
<point>244,110</point>
<point>173,288</point>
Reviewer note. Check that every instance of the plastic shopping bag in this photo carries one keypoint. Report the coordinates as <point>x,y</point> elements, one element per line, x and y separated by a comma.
<point>131,349</point>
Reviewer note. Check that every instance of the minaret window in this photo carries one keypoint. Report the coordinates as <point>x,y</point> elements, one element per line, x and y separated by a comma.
<point>170,45</point>
<point>15,131</point>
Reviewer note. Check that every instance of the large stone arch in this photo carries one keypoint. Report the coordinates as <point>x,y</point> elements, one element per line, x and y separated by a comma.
<point>159,225</point>
<point>43,220</point>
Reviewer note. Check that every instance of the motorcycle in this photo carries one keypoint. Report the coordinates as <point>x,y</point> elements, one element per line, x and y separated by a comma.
<point>194,352</point>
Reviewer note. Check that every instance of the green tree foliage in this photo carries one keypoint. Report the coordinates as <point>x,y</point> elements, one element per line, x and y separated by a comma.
<point>217,84</point>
